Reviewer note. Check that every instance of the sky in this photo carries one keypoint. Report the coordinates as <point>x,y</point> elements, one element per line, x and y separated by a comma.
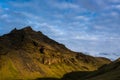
<point>89,26</point>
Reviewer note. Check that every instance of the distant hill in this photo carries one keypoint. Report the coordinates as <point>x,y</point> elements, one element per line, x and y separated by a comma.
<point>111,56</point>
<point>106,72</point>
<point>27,54</point>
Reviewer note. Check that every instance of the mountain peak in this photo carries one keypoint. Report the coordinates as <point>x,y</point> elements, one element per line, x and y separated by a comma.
<point>14,30</point>
<point>28,28</point>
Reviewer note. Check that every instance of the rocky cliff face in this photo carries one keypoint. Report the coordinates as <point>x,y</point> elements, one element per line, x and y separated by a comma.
<point>27,54</point>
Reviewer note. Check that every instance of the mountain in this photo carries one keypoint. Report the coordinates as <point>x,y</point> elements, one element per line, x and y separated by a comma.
<point>27,54</point>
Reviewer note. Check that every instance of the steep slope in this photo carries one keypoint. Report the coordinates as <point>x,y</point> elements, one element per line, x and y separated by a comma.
<point>27,54</point>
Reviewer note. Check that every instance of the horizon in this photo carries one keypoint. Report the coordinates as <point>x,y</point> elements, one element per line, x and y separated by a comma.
<point>87,26</point>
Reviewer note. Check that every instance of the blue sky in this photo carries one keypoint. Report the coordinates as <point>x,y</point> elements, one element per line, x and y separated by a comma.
<point>90,26</point>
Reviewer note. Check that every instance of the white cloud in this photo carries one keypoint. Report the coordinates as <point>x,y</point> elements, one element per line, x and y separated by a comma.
<point>117,6</point>
<point>86,37</point>
<point>82,18</point>
<point>115,1</point>
<point>100,27</point>
<point>64,5</point>
<point>113,6</point>
<point>1,10</point>
<point>51,30</point>
<point>4,16</point>
<point>29,15</point>
<point>68,5</point>
<point>20,4</point>
<point>115,14</point>
<point>59,16</point>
